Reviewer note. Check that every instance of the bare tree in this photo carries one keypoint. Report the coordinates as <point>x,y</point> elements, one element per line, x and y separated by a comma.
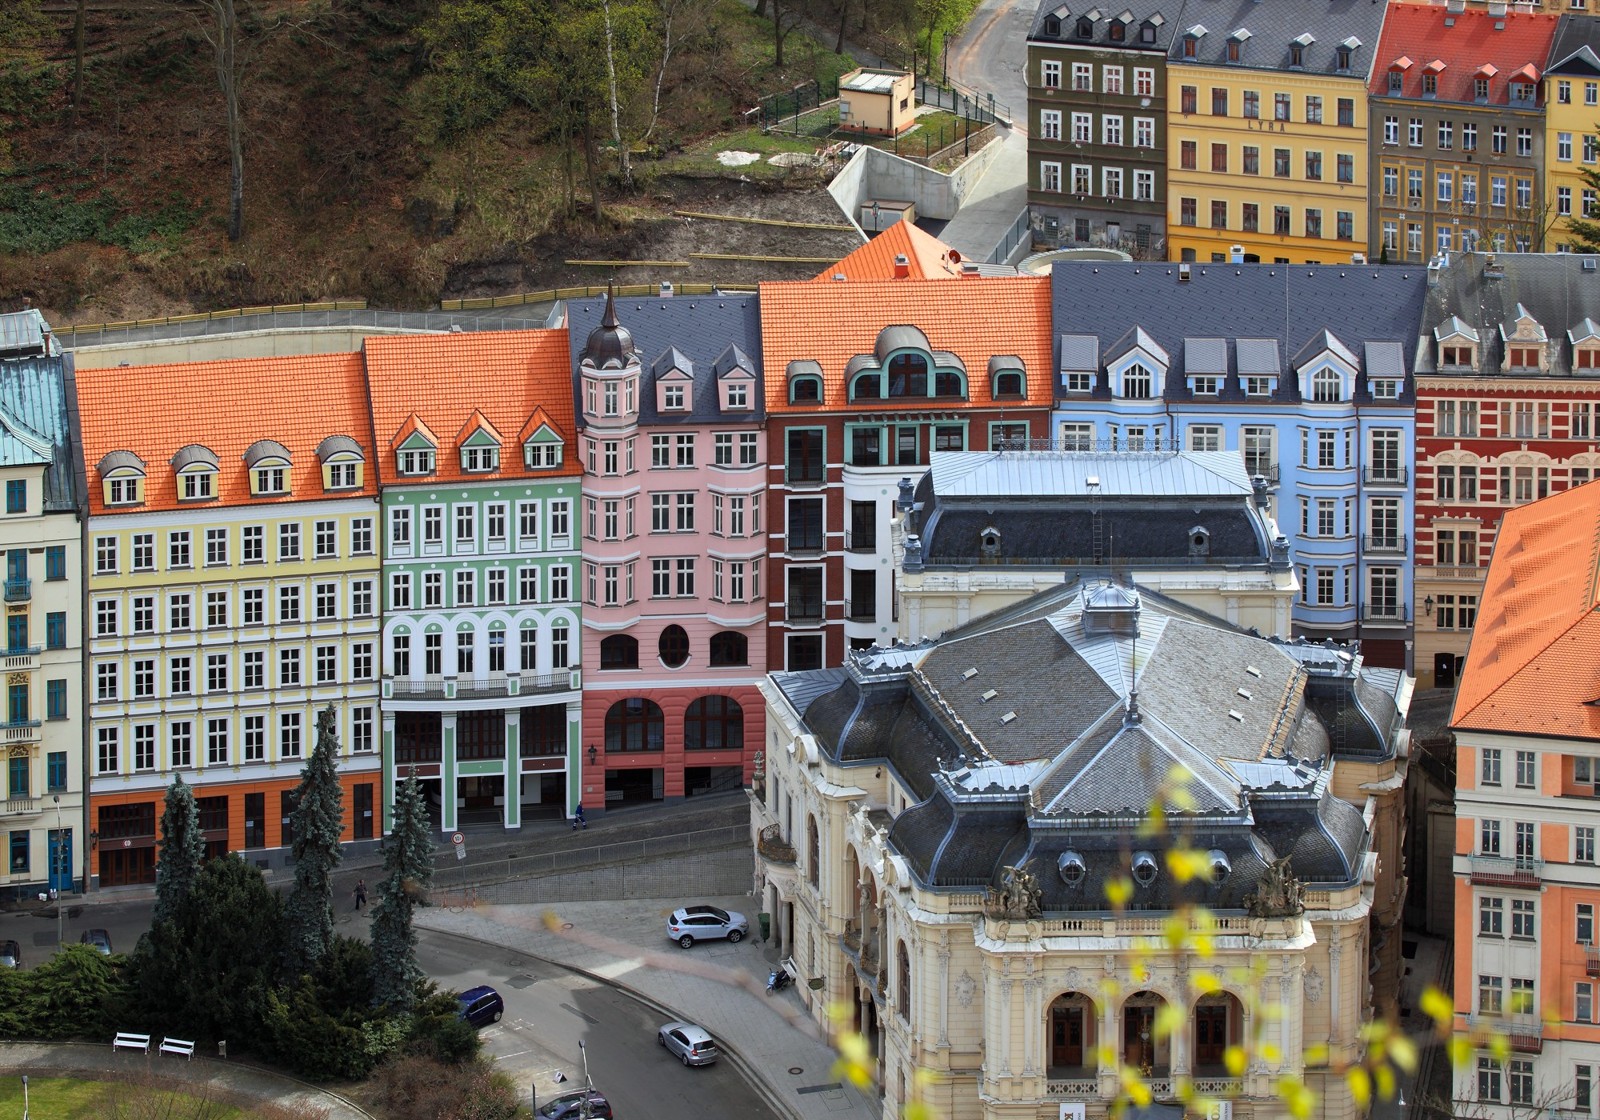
<point>77,62</point>
<point>222,32</point>
<point>623,168</point>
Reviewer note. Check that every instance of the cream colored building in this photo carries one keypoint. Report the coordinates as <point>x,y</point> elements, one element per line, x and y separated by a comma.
<point>986,530</point>
<point>902,789</point>
<point>41,534</point>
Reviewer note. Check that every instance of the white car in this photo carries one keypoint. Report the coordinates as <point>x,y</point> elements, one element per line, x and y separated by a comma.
<point>706,923</point>
<point>691,1043</point>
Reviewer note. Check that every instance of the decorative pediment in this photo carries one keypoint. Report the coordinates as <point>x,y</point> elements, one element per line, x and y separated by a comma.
<point>478,432</point>
<point>414,435</point>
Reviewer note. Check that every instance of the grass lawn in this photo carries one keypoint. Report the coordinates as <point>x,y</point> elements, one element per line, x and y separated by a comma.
<point>60,1098</point>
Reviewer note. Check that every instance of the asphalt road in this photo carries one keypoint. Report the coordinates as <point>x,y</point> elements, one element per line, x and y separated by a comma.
<point>549,1011</point>
<point>991,55</point>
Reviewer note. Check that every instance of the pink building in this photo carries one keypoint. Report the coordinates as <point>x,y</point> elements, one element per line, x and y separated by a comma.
<point>671,411</point>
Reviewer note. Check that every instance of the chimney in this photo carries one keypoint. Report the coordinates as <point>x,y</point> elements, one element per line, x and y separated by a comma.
<point>666,289</point>
<point>1497,9</point>
<point>1183,274</point>
<point>1236,254</point>
<point>902,266</point>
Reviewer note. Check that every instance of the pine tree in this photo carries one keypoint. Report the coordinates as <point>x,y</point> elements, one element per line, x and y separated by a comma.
<point>408,872</point>
<point>318,825</point>
<point>182,850</point>
<point>1585,231</point>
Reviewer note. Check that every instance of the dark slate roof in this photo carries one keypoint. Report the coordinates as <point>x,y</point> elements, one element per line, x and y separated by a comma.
<point>1052,532</point>
<point>1287,306</point>
<point>34,394</point>
<point>1023,737</point>
<point>1165,13</point>
<point>1273,26</point>
<point>1576,47</point>
<point>701,328</point>
<point>1553,287</point>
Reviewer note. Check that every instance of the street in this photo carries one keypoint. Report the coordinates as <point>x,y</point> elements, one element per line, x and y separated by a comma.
<point>991,54</point>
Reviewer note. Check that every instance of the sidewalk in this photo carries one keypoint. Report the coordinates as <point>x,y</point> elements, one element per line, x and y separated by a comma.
<point>770,1039</point>
<point>228,1080</point>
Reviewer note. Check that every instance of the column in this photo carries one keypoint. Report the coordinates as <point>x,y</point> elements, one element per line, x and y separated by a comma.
<point>513,779</point>
<point>447,771</point>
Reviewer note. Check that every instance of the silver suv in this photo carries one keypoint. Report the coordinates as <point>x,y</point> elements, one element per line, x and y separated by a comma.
<point>706,923</point>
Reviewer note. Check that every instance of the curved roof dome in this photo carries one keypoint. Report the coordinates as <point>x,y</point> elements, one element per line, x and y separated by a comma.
<point>610,345</point>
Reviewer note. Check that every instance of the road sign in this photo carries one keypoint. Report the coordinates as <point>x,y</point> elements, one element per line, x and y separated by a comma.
<point>458,839</point>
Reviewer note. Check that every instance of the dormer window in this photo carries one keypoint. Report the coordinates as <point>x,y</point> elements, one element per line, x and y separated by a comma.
<point>1138,382</point>
<point>1191,47</point>
<point>1052,27</point>
<point>1342,59</point>
<point>805,390</point>
<point>1117,31</point>
<point>1384,388</point>
<point>1144,868</point>
<point>268,462</point>
<point>416,461</point>
<point>1327,386</point>
<point>1430,85</point>
<point>1521,91</point>
<point>1205,385</point>
<point>1147,33</point>
<point>342,461</point>
<point>1523,359</point>
<point>738,395</point>
<point>1297,56</point>
<point>542,456</point>
<point>989,541</point>
<point>123,476</point>
<point>1070,866</point>
<point>126,491</point>
<point>1480,89</point>
<point>1397,82</point>
<point>1456,357</point>
<point>1085,28</point>
<point>673,398</point>
<point>1586,357</point>
<point>1255,386</point>
<point>478,460</point>
<point>268,481</point>
<point>1235,50</point>
<point>1008,384</point>
<point>197,469</point>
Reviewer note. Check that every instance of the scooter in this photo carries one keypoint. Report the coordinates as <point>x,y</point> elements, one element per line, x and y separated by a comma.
<point>778,979</point>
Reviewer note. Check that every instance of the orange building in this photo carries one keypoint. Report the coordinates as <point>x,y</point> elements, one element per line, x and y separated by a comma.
<point>1528,761</point>
<point>232,595</point>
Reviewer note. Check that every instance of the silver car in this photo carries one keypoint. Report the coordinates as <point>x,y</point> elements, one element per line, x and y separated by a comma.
<point>690,1043</point>
<point>706,923</point>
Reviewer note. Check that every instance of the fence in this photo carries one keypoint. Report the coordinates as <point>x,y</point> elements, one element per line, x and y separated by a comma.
<point>960,139</point>
<point>963,102</point>
<point>69,334</point>
<point>1021,229</point>
<point>551,295</point>
<point>106,334</point>
<point>781,106</point>
<point>578,859</point>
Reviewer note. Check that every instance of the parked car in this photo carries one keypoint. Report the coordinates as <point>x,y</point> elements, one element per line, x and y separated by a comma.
<point>569,1106</point>
<point>706,923</point>
<point>481,1005</point>
<point>97,939</point>
<point>689,1042</point>
<point>10,954</point>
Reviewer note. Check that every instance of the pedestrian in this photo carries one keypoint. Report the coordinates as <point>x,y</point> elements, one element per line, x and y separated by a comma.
<point>578,820</point>
<point>361,893</point>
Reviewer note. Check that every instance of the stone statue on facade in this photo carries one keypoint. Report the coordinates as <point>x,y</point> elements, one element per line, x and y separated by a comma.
<point>1018,895</point>
<point>1278,894</point>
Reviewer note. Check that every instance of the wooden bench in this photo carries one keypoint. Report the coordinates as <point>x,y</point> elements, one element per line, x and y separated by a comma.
<point>182,1046</point>
<point>127,1040</point>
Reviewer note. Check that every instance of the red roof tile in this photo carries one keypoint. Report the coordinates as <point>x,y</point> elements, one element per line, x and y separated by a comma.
<point>927,258</point>
<point>975,318</point>
<point>1533,666</point>
<point>155,410</point>
<point>445,380</point>
<point>1458,49</point>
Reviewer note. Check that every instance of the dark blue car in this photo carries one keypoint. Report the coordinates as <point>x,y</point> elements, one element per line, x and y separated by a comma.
<point>481,1006</point>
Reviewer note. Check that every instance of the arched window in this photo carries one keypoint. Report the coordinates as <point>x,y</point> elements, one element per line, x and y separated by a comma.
<point>729,647</point>
<point>908,375</point>
<point>1326,386</point>
<point>867,386</point>
<point>673,646</point>
<point>619,651</point>
<point>948,383</point>
<point>903,979</point>
<point>813,851</point>
<point>805,390</point>
<point>1008,384</point>
<point>714,723</point>
<point>634,724</point>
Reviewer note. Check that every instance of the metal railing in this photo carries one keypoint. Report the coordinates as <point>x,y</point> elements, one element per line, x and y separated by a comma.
<point>859,542</point>
<point>1383,542</point>
<point>1021,228</point>
<point>1396,613</point>
<point>800,610</point>
<point>1385,476</point>
<point>470,689</point>
<point>857,611</point>
<point>19,590</point>
<point>1507,870</point>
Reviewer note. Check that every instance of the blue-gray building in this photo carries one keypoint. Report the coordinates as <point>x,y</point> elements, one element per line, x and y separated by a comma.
<point>1305,371</point>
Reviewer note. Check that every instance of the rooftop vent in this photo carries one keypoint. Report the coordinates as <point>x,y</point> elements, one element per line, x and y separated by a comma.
<point>1588,264</point>
<point>1183,274</point>
<point>1252,670</point>
<point>990,695</point>
<point>1235,714</point>
<point>1007,718</point>
<point>839,276</point>
<point>1245,692</point>
<point>666,289</point>
<point>969,674</point>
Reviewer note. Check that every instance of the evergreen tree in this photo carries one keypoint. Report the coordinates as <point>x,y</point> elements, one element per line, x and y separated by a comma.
<point>408,872</point>
<point>318,824</point>
<point>1585,230</point>
<point>182,850</point>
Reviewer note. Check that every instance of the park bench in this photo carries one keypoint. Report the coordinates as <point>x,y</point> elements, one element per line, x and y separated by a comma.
<point>182,1046</point>
<point>127,1040</point>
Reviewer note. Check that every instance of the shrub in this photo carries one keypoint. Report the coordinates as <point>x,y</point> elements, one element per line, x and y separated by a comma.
<point>422,1089</point>
<point>439,1032</point>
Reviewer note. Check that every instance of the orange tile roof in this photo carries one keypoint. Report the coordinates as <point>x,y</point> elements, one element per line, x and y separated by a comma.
<point>1533,666</point>
<point>445,380</point>
<point>927,257</point>
<point>975,318</point>
<point>1457,46</point>
<point>155,410</point>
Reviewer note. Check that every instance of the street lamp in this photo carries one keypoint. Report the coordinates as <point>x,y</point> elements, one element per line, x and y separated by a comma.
<point>59,864</point>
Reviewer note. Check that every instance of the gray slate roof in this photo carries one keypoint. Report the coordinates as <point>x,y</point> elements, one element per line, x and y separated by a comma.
<point>1165,13</point>
<point>700,328</point>
<point>1286,306</point>
<point>38,425</point>
<point>1023,736</point>
<point>1554,287</point>
<point>1274,25</point>
<point>1576,46</point>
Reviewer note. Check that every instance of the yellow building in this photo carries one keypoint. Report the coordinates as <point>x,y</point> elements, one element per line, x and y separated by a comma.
<point>1267,131</point>
<point>233,594</point>
<point>1572,126</point>
<point>40,533</point>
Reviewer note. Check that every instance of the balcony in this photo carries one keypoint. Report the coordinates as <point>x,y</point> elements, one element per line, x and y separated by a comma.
<point>1452,573</point>
<point>19,590</point>
<point>20,659</point>
<point>21,731</point>
<point>1393,614</point>
<point>1526,1033</point>
<point>1389,474</point>
<point>443,688</point>
<point>1499,871</point>
<point>1268,471</point>
<point>860,542</point>
<point>861,610</point>
<point>773,847</point>
<point>807,612</point>
<point>1384,542</point>
<point>1591,960</point>
<point>20,805</point>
